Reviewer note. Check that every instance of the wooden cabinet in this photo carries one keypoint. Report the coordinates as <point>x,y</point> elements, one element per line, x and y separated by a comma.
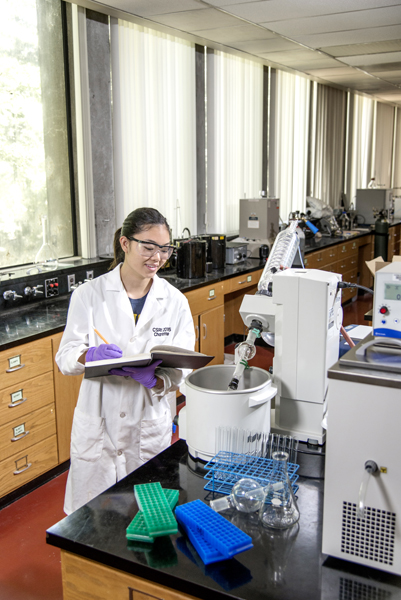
<point>207,307</point>
<point>393,248</point>
<point>347,258</point>
<point>83,578</point>
<point>234,293</point>
<point>28,441</point>
<point>66,390</point>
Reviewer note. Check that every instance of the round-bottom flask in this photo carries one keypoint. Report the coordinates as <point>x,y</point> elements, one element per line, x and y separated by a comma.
<point>246,496</point>
<point>281,510</point>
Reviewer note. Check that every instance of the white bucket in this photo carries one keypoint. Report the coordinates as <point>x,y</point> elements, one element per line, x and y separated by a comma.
<point>210,404</point>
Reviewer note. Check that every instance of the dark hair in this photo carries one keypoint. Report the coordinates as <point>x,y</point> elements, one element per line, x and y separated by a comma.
<point>139,220</point>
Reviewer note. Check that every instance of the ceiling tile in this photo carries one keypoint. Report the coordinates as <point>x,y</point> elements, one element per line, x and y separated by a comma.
<point>338,22</point>
<point>195,20</point>
<point>370,48</point>
<point>241,33</point>
<point>146,8</point>
<point>372,59</point>
<point>319,40</point>
<point>273,45</point>
<point>276,10</point>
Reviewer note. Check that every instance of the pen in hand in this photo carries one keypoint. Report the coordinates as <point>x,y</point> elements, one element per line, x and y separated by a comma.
<point>100,335</point>
<point>104,351</point>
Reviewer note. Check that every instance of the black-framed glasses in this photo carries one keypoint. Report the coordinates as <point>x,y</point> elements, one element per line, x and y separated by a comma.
<point>149,249</point>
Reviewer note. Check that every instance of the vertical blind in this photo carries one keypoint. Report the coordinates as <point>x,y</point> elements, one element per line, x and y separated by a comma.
<point>154,124</point>
<point>234,163</point>
<point>329,119</point>
<point>360,160</point>
<point>291,147</point>
<point>384,144</point>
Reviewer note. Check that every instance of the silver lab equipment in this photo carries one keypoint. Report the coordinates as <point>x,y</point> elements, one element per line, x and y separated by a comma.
<point>368,199</point>
<point>259,218</point>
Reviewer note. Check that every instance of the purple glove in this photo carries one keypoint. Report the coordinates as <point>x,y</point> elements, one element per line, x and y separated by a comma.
<point>144,375</point>
<point>103,352</point>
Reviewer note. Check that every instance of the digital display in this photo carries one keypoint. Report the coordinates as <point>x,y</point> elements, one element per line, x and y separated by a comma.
<point>392,291</point>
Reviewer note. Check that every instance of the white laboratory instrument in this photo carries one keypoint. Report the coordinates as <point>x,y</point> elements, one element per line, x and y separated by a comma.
<point>362,492</point>
<point>387,302</point>
<point>210,405</point>
<point>305,314</point>
<point>382,350</point>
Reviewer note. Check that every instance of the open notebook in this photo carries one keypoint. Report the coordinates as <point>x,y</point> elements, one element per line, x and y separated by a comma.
<point>171,356</point>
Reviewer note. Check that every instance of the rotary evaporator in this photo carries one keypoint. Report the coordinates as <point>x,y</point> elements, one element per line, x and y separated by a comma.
<point>299,312</point>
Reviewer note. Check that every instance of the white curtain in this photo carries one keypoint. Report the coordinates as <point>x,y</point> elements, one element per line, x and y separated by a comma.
<point>234,133</point>
<point>154,124</point>
<point>384,144</point>
<point>396,183</point>
<point>360,159</point>
<point>327,157</point>
<point>291,147</point>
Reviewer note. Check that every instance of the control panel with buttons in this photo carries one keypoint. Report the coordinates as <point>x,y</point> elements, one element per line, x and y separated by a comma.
<point>387,302</point>
<point>51,287</point>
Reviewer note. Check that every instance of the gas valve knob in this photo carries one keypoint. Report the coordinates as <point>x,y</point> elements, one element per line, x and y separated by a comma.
<point>28,291</point>
<point>11,295</point>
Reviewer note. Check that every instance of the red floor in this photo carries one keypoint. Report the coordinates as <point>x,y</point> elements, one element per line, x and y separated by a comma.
<point>30,569</point>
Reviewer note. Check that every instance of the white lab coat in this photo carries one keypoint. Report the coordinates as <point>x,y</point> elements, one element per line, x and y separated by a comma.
<point>118,423</point>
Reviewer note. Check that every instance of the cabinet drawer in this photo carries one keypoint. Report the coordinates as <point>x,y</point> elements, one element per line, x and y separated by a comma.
<point>28,464</point>
<point>347,263</point>
<point>25,361</point>
<point>350,277</point>
<point>243,281</point>
<point>347,249</point>
<point>320,258</point>
<point>22,433</point>
<point>205,298</point>
<point>19,400</point>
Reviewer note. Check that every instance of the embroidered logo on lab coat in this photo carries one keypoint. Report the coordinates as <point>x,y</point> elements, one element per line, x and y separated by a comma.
<point>161,331</point>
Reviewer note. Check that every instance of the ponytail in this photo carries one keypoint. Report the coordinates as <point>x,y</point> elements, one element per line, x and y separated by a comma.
<point>118,251</point>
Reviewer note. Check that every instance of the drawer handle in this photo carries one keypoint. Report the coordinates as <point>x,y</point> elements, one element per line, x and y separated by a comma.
<point>19,437</point>
<point>197,333</point>
<point>22,470</point>
<point>14,369</point>
<point>205,329</point>
<point>17,403</point>
<point>319,259</point>
<point>241,282</point>
<point>212,298</point>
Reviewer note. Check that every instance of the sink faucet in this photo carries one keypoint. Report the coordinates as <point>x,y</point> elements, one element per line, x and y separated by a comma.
<point>185,229</point>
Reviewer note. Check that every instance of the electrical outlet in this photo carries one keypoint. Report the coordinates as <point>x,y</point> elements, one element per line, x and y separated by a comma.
<point>89,274</point>
<point>51,287</point>
<point>70,282</point>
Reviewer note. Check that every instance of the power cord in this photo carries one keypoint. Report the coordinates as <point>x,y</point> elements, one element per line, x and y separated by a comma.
<point>345,284</point>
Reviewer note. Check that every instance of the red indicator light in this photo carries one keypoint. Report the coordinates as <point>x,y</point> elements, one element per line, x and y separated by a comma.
<point>383,310</point>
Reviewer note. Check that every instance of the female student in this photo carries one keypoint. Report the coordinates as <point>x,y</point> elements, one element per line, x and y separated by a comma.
<point>123,420</point>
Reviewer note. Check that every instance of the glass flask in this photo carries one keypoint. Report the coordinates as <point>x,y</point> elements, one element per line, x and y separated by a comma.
<point>246,496</point>
<point>281,257</point>
<point>281,510</point>
<point>47,256</point>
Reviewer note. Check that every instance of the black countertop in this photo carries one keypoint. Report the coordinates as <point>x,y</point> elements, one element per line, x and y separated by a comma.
<point>285,565</point>
<point>314,243</point>
<point>32,321</point>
